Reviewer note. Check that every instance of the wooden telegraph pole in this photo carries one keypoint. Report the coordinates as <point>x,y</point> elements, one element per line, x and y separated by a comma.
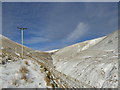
<point>22,38</point>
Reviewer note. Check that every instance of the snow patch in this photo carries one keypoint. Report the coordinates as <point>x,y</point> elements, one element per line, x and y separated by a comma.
<point>51,51</point>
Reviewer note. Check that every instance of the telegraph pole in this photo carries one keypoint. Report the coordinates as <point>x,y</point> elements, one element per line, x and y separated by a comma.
<point>22,39</point>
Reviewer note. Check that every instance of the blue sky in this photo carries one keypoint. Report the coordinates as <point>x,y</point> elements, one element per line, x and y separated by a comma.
<point>53,25</point>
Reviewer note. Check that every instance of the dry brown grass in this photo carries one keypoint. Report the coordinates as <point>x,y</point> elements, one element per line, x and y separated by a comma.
<point>47,80</point>
<point>24,77</point>
<point>26,62</point>
<point>23,69</point>
<point>42,70</point>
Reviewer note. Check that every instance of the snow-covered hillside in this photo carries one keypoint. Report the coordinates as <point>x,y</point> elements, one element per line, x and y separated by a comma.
<point>76,48</point>
<point>22,74</point>
<point>29,72</point>
<point>89,64</point>
<point>95,62</point>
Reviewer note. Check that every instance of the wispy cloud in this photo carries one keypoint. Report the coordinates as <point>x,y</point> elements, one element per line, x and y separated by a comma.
<point>35,40</point>
<point>79,31</point>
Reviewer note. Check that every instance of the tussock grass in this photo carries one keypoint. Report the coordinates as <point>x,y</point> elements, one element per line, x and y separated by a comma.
<point>47,79</point>
<point>23,69</point>
<point>42,70</point>
<point>24,77</point>
<point>26,62</point>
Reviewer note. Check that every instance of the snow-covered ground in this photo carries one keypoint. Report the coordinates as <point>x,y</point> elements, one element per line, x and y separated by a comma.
<point>97,71</point>
<point>93,63</point>
<point>51,51</point>
<point>22,74</point>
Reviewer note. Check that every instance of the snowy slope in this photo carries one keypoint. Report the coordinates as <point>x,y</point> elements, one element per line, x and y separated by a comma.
<point>95,62</point>
<point>110,43</point>
<point>22,74</point>
<point>11,64</point>
<point>76,48</point>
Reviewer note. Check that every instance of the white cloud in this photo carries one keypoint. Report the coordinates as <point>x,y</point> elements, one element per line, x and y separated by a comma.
<point>34,40</point>
<point>78,32</point>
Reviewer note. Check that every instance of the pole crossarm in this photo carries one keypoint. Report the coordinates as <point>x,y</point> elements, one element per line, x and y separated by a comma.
<point>21,28</point>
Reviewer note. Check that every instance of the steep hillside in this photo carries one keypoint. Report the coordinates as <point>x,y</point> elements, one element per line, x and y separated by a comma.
<point>95,64</point>
<point>76,48</point>
<point>13,50</point>
<point>110,43</point>
<point>18,72</point>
